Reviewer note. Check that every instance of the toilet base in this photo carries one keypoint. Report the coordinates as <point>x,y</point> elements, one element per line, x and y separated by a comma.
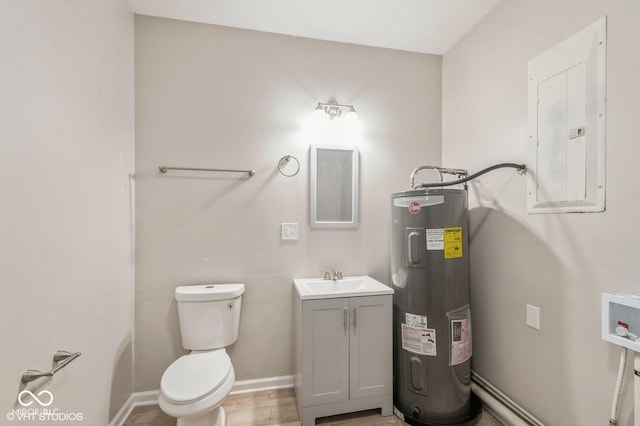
<point>215,417</point>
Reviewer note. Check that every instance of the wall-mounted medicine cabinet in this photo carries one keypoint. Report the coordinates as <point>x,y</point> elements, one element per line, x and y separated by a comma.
<point>334,186</point>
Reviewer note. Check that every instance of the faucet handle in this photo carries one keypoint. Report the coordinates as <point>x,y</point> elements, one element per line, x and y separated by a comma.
<point>327,276</point>
<point>340,275</point>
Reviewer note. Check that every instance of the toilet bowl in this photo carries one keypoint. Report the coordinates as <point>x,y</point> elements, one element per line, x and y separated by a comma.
<point>194,386</point>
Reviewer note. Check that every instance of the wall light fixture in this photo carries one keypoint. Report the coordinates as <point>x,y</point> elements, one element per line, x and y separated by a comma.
<point>333,123</point>
<point>333,110</point>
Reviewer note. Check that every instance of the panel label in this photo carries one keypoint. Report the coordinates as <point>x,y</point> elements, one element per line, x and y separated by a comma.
<point>419,340</point>
<point>435,239</point>
<point>413,320</point>
<point>460,341</point>
<point>453,242</point>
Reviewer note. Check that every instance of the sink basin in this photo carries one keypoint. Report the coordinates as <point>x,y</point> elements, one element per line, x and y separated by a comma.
<point>318,288</point>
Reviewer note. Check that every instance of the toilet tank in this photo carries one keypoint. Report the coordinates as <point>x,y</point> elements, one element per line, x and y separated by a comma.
<point>209,315</point>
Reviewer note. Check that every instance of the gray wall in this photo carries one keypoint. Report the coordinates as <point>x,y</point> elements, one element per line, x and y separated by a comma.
<point>210,96</point>
<point>564,373</point>
<point>66,223</point>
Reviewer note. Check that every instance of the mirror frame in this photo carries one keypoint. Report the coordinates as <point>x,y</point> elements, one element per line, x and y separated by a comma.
<point>353,223</point>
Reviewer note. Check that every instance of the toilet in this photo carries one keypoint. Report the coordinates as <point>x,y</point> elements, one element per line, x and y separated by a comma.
<point>193,386</point>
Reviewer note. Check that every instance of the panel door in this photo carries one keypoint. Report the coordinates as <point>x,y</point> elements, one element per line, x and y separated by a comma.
<point>567,124</point>
<point>371,346</point>
<point>325,351</point>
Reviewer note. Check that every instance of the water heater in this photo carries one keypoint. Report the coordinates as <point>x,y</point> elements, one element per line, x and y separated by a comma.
<point>431,316</point>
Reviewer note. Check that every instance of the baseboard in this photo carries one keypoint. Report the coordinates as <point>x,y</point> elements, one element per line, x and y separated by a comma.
<point>498,404</point>
<point>256,385</point>
<point>138,399</point>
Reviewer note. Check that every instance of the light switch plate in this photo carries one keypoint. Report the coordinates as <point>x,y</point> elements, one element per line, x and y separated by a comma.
<point>289,231</point>
<point>533,317</point>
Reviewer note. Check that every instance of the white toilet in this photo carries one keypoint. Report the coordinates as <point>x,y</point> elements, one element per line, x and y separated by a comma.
<point>194,386</point>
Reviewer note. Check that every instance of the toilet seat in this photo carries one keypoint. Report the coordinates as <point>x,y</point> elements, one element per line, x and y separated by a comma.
<point>195,376</point>
<point>192,409</point>
<point>196,383</point>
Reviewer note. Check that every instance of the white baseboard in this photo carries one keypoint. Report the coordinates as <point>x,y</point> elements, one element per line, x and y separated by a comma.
<point>256,385</point>
<point>138,399</point>
<point>501,407</point>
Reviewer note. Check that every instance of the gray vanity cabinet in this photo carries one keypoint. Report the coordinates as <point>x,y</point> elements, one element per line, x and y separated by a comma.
<point>343,351</point>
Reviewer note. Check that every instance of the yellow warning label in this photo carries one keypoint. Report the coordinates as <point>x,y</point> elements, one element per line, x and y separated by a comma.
<point>453,242</point>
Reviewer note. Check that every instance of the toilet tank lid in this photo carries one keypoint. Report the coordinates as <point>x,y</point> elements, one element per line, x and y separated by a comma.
<point>204,292</point>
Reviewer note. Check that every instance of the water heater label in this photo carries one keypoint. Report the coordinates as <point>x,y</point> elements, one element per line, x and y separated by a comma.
<point>460,329</point>
<point>419,340</point>
<point>435,239</point>
<point>453,242</point>
<point>460,341</point>
<point>413,320</point>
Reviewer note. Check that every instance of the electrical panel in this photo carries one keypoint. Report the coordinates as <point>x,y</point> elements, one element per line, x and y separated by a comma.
<point>566,138</point>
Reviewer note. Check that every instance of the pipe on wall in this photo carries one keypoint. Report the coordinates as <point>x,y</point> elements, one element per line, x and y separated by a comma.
<point>496,408</point>
<point>503,407</point>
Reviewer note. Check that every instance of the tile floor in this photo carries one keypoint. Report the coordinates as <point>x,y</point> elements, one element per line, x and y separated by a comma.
<point>274,408</point>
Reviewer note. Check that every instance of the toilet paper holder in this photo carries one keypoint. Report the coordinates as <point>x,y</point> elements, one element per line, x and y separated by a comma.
<point>61,359</point>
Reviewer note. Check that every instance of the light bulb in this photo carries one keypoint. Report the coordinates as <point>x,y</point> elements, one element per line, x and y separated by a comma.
<point>352,115</point>
<point>319,113</point>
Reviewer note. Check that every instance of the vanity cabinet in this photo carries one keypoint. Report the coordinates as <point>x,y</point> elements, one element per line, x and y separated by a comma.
<point>343,356</point>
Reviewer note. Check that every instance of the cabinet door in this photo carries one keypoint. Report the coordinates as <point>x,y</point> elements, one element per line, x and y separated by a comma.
<point>325,351</point>
<point>371,346</point>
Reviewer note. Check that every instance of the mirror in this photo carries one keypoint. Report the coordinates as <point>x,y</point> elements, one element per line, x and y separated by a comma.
<point>334,186</point>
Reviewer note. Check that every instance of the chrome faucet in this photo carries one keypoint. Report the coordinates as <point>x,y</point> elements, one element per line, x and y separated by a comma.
<point>334,275</point>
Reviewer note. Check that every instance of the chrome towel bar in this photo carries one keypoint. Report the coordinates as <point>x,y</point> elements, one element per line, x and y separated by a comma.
<point>61,360</point>
<point>165,169</point>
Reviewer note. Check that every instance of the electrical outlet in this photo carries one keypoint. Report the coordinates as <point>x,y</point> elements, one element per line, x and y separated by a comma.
<point>533,317</point>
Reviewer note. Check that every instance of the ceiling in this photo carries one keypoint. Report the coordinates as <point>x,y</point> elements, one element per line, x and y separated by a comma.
<point>426,26</point>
